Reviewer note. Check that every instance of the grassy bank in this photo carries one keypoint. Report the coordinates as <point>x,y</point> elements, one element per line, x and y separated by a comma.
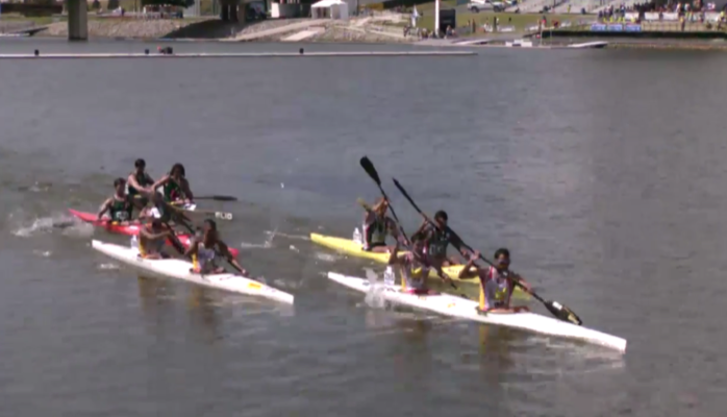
<point>517,20</point>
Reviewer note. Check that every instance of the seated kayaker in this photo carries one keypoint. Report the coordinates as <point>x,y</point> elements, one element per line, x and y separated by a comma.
<point>118,206</point>
<point>152,237</point>
<point>376,226</point>
<point>160,209</point>
<point>175,186</point>
<point>414,268</point>
<point>139,185</point>
<point>496,283</point>
<point>205,248</point>
<point>437,236</point>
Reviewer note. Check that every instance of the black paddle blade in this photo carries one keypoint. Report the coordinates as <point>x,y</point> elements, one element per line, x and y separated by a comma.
<point>369,168</point>
<point>224,198</point>
<point>562,312</point>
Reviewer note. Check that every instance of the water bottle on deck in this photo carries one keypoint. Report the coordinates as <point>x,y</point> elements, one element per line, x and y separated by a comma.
<point>389,277</point>
<point>357,236</point>
<point>134,242</point>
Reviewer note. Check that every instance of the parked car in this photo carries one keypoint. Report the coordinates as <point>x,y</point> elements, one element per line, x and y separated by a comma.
<point>476,5</point>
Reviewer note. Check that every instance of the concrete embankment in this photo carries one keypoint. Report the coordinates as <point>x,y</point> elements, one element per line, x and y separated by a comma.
<point>124,28</point>
<point>373,30</point>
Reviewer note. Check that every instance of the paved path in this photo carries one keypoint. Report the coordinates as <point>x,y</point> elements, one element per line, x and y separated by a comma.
<point>280,30</point>
<point>304,34</point>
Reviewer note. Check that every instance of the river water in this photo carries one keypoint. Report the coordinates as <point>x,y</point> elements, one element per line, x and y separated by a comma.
<point>602,171</point>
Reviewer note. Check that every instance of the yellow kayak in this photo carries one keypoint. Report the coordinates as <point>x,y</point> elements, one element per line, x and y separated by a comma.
<point>349,247</point>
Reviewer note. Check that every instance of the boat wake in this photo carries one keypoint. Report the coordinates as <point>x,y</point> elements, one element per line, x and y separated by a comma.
<point>325,257</point>
<point>285,235</point>
<point>44,225</point>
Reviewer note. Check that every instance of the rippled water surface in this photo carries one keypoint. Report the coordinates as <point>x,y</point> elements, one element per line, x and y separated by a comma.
<point>603,172</point>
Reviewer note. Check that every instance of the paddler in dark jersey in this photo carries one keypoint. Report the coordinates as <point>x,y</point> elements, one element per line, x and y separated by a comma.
<point>139,184</point>
<point>437,238</point>
<point>414,267</point>
<point>175,186</point>
<point>119,206</point>
<point>205,248</point>
<point>376,226</point>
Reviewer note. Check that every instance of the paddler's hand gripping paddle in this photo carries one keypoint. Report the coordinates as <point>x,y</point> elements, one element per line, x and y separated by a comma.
<point>557,309</point>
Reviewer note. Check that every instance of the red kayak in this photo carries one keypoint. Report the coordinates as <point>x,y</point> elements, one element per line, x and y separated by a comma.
<point>131,229</point>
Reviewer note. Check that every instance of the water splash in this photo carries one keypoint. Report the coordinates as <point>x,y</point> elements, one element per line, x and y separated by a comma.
<point>375,295</point>
<point>49,224</point>
<point>285,235</point>
<point>325,257</point>
<point>108,266</point>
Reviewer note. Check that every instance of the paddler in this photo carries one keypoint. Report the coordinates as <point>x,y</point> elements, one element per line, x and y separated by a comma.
<point>139,184</point>
<point>152,237</point>
<point>205,248</point>
<point>160,209</point>
<point>118,206</point>
<point>496,282</point>
<point>415,266</point>
<point>175,186</point>
<point>437,238</point>
<point>376,226</point>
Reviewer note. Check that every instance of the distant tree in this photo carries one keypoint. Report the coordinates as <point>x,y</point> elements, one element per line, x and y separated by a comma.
<point>112,5</point>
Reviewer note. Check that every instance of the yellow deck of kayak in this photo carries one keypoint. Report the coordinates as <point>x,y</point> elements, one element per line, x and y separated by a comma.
<point>349,247</point>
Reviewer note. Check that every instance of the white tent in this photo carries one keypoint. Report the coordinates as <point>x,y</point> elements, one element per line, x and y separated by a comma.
<point>333,9</point>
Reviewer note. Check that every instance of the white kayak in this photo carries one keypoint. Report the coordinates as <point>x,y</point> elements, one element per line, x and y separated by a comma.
<point>180,269</point>
<point>455,306</point>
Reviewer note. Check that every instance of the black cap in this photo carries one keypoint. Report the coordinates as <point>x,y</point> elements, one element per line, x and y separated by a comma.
<point>140,163</point>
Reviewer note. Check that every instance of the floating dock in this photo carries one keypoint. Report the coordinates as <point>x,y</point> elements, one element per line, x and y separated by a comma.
<point>300,54</point>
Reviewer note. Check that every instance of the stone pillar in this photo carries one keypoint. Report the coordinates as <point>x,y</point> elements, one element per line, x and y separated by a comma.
<point>77,20</point>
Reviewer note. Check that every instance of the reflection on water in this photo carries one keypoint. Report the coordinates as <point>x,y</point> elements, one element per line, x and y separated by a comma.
<point>155,295</point>
<point>203,314</point>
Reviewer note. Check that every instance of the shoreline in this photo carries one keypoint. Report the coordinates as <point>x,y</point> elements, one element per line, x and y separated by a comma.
<point>293,31</point>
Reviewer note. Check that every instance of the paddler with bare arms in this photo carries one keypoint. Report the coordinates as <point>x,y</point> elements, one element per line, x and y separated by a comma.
<point>415,266</point>
<point>497,282</point>
<point>152,237</point>
<point>437,238</point>
<point>376,226</point>
<point>204,250</point>
<point>118,206</point>
<point>139,184</point>
<point>175,186</point>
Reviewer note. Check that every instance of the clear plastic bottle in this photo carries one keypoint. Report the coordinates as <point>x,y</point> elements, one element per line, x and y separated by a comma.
<point>134,242</point>
<point>357,236</point>
<point>389,277</point>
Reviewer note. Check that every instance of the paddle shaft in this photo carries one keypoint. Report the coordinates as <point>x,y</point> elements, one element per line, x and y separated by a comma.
<point>217,198</point>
